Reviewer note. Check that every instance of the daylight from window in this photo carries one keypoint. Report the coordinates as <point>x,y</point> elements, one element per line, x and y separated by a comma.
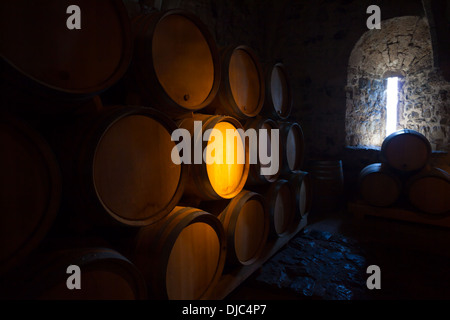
<point>391,105</point>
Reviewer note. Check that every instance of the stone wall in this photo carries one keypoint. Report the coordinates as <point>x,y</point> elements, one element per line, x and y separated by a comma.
<point>402,47</point>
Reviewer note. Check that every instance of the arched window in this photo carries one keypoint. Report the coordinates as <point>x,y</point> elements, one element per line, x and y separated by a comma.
<point>401,49</point>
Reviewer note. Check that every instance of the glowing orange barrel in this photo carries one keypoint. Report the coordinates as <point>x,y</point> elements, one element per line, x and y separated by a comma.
<point>216,180</point>
<point>183,256</point>
<point>176,63</point>
<point>242,87</point>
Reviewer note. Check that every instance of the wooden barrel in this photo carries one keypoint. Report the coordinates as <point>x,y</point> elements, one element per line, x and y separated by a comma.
<point>278,101</point>
<point>301,182</point>
<point>52,59</point>
<point>242,88</point>
<point>293,147</point>
<point>406,150</point>
<point>216,180</point>
<point>176,63</point>
<point>183,257</point>
<point>429,191</point>
<point>328,184</point>
<point>118,166</point>
<point>255,176</point>
<point>246,223</point>
<point>30,190</point>
<point>379,185</point>
<point>105,274</point>
<point>281,203</point>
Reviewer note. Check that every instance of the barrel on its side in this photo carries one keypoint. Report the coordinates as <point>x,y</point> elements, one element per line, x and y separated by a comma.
<point>118,166</point>
<point>246,223</point>
<point>429,191</point>
<point>301,182</point>
<point>255,176</point>
<point>215,173</point>
<point>379,185</point>
<point>30,190</point>
<point>328,184</point>
<point>176,62</point>
<point>293,147</point>
<point>183,257</point>
<point>242,88</point>
<point>278,100</point>
<point>87,60</point>
<point>406,150</point>
<point>104,274</point>
<point>281,203</point>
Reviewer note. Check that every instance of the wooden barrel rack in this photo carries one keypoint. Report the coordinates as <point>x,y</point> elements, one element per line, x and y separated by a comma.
<point>87,138</point>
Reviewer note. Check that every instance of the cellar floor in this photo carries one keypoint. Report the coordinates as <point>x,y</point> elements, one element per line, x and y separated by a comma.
<point>328,260</point>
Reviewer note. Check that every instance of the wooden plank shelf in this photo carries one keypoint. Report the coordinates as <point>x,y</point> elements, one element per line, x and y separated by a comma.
<point>232,278</point>
<point>360,210</point>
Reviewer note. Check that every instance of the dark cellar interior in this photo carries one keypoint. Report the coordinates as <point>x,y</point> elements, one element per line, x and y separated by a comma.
<point>71,196</point>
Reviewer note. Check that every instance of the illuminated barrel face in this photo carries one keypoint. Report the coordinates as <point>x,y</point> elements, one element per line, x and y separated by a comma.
<point>250,231</point>
<point>197,251</point>
<point>244,80</point>
<point>134,175</point>
<point>183,61</point>
<point>225,161</point>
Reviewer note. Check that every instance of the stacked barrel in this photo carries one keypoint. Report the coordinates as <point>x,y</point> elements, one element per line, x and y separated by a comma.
<point>76,169</point>
<point>405,178</point>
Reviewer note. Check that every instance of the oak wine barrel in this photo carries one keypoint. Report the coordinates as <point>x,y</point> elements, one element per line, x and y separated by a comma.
<point>183,257</point>
<point>429,191</point>
<point>56,62</point>
<point>255,176</point>
<point>406,150</point>
<point>118,166</point>
<point>293,147</point>
<point>176,62</point>
<point>278,101</point>
<point>301,182</point>
<point>105,274</point>
<point>218,179</point>
<point>242,88</point>
<point>246,223</point>
<point>30,190</point>
<point>328,184</point>
<point>379,185</point>
<point>281,203</point>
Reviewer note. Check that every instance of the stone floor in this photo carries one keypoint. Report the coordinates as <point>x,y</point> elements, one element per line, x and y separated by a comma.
<point>328,261</point>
